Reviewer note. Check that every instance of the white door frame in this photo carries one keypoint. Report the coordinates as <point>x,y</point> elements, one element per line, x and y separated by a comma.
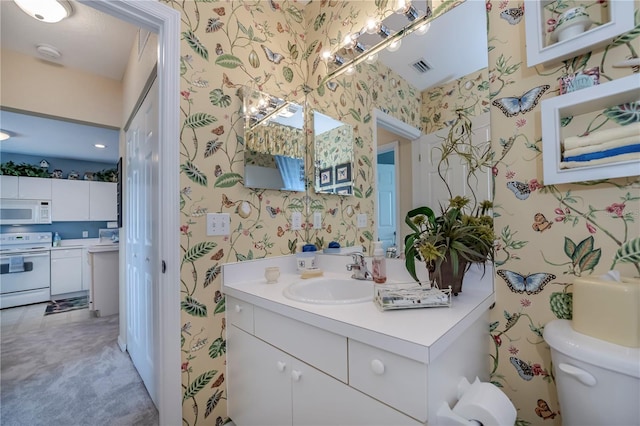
<point>161,19</point>
<point>402,129</point>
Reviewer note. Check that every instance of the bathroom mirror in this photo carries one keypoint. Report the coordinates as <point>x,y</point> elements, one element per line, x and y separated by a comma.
<point>333,155</point>
<point>431,77</point>
<point>274,142</point>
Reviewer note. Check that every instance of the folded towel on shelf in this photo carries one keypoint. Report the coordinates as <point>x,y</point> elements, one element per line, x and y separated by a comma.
<point>602,136</point>
<point>631,140</point>
<point>604,154</point>
<point>16,264</point>
<point>634,156</point>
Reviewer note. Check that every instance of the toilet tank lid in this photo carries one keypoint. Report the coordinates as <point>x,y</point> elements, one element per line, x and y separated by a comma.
<point>563,338</point>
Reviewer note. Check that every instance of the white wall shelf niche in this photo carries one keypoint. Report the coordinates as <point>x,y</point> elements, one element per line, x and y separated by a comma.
<point>616,92</point>
<point>622,20</point>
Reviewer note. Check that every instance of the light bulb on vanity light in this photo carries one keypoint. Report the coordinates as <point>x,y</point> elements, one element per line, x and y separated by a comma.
<point>405,8</point>
<point>395,45</point>
<point>422,29</point>
<point>372,58</point>
<point>376,27</point>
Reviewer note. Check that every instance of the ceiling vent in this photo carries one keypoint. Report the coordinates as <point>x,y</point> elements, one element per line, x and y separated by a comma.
<point>421,66</point>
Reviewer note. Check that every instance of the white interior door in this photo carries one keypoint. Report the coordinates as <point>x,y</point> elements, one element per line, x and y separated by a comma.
<point>387,204</point>
<point>142,245</point>
<point>431,190</point>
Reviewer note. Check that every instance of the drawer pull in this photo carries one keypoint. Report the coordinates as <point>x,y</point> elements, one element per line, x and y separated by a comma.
<point>281,365</point>
<point>377,367</point>
<point>296,375</point>
<point>238,308</point>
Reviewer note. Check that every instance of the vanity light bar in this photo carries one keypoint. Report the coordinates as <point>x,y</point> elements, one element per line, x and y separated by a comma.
<point>415,25</point>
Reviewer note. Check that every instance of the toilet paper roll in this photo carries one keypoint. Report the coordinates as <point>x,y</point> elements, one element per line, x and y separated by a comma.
<point>486,403</point>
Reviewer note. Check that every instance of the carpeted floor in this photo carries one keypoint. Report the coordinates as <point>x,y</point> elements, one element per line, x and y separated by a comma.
<point>71,375</point>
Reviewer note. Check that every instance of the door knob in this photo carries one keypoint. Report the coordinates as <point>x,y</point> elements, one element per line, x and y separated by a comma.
<point>281,365</point>
<point>296,375</point>
<point>238,308</point>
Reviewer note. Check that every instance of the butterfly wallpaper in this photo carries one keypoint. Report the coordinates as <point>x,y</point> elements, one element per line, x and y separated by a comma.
<point>275,46</point>
<point>591,221</point>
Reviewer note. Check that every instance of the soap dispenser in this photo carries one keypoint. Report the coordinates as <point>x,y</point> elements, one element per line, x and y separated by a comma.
<point>379,263</point>
<point>56,240</point>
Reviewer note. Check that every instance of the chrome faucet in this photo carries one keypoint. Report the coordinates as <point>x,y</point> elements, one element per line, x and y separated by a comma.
<point>359,267</point>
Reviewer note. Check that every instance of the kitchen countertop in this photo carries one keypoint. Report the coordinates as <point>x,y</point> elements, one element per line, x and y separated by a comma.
<point>93,245</point>
<point>420,334</point>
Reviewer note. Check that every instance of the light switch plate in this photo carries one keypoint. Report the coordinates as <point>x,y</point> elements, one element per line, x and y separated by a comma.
<point>317,220</point>
<point>296,221</point>
<point>362,220</point>
<point>85,234</point>
<point>218,224</point>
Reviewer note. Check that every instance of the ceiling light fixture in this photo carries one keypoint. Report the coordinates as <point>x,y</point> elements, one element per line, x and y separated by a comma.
<point>50,11</point>
<point>100,146</point>
<point>4,136</point>
<point>48,51</point>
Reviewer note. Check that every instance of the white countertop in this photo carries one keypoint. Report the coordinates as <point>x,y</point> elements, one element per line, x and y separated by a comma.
<point>93,245</point>
<point>102,248</point>
<point>420,334</point>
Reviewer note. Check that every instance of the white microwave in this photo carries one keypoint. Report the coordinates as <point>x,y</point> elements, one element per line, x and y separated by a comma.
<point>24,212</point>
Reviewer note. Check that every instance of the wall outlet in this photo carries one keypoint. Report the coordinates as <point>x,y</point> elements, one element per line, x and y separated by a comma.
<point>218,224</point>
<point>362,220</point>
<point>317,220</point>
<point>296,221</point>
<point>85,234</point>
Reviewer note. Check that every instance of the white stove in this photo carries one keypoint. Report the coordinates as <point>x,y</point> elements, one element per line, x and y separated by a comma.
<point>25,268</point>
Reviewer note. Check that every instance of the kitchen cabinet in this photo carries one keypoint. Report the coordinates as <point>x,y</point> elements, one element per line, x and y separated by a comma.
<point>9,186</point>
<point>268,386</point>
<point>24,187</point>
<point>69,200</point>
<point>66,271</point>
<point>103,204</point>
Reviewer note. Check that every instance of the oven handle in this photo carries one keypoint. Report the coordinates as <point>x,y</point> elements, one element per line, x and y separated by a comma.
<point>28,254</point>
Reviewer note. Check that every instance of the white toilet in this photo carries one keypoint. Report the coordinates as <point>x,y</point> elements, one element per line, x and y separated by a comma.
<point>598,382</point>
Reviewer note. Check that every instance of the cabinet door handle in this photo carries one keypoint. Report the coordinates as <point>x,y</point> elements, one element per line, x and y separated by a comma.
<point>281,365</point>
<point>296,375</point>
<point>238,308</point>
<point>377,367</point>
<point>579,374</point>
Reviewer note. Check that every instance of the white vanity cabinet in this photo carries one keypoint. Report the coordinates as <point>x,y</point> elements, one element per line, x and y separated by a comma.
<point>66,271</point>
<point>283,372</point>
<point>294,363</point>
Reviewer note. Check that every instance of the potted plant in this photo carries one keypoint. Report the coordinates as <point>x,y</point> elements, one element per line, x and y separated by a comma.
<point>449,243</point>
<point>463,233</point>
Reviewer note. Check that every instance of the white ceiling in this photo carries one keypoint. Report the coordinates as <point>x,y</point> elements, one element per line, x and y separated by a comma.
<point>89,40</point>
<point>454,46</point>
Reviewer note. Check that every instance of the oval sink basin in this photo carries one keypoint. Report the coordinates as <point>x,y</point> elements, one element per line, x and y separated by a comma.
<point>330,291</point>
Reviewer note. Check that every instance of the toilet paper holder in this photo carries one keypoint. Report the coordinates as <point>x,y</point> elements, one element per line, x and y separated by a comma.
<point>479,403</point>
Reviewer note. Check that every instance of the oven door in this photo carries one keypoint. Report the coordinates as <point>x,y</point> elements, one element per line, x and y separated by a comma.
<point>24,271</point>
